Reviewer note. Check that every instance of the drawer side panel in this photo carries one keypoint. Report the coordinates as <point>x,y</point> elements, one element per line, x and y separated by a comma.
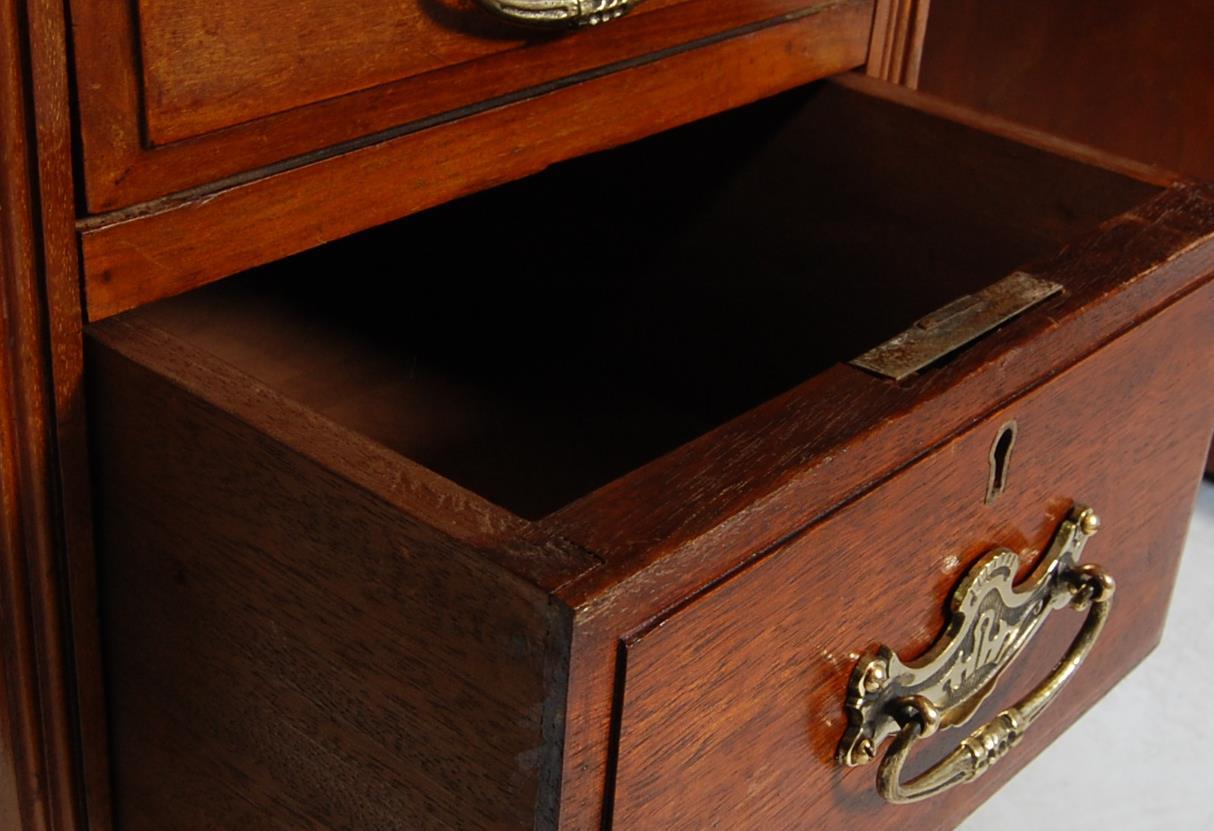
<point>285,650</point>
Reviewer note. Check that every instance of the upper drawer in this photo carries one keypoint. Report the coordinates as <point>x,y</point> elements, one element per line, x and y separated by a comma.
<point>178,93</point>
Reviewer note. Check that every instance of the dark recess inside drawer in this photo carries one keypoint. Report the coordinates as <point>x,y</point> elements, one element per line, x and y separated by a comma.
<point>536,341</point>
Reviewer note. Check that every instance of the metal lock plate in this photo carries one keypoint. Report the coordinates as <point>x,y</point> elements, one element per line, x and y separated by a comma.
<point>955,325</point>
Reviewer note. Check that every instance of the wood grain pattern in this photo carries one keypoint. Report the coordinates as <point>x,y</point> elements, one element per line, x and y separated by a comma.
<point>659,534</point>
<point>1132,78</point>
<point>685,519</point>
<point>1113,275</point>
<point>135,261</point>
<point>464,379</point>
<point>896,48</point>
<point>295,638</point>
<point>828,465</point>
<point>735,703</point>
<point>286,80</point>
<point>57,152</point>
<point>664,531</point>
<point>210,65</point>
<point>25,467</point>
<point>41,442</point>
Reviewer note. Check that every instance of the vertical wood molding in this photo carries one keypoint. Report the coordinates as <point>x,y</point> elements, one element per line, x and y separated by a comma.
<point>49,77</point>
<point>896,46</point>
<point>39,768</point>
<point>40,363</point>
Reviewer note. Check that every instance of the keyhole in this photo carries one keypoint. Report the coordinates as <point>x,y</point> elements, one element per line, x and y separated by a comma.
<point>1001,457</point>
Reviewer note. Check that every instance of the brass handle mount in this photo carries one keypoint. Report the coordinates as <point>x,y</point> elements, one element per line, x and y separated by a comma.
<point>559,14</point>
<point>991,621</point>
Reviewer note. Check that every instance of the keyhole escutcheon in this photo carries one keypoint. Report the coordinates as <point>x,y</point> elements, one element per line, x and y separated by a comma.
<point>1001,459</point>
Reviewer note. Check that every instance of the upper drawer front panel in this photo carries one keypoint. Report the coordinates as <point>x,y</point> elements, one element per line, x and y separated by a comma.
<point>178,94</point>
<point>208,65</point>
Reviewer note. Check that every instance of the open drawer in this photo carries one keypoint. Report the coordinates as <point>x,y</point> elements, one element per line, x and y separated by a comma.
<point>562,505</point>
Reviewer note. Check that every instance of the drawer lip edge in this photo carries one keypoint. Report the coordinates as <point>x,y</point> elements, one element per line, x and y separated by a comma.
<point>656,621</point>
<point>1109,311</point>
<point>509,541</point>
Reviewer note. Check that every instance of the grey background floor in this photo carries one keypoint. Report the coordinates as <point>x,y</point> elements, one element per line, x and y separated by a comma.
<point>1143,758</point>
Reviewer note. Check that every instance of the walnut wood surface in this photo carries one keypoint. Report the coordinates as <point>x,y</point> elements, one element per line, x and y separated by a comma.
<point>1133,78</point>
<point>1113,275</point>
<point>48,637</point>
<point>896,48</point>
<point>267,192</point>
<point>60,274</point>
<point>620,557</point>
<point>735,703</point>
<point>685,519</point>
<point>287,79</point>
<point>463,377</point>
<point>308,639</point>
<point>26,481</point>
<point>130,261</point>
<point>1130,77</point>
<point>800,457</point>
<point>210,65</point>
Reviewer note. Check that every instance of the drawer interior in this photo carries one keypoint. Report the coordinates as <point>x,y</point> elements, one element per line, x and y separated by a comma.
<point>534,342</point>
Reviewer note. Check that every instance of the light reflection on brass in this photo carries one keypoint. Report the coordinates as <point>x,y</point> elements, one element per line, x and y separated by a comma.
<point>555,14</point>
<point>991,621</point>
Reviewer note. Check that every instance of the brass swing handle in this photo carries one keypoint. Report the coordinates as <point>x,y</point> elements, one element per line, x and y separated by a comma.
<point>991,622</point>
<point>559,14</point>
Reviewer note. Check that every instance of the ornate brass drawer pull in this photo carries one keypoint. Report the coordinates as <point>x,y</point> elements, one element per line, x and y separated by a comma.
<point>991,622</point>
<point>559,13</point>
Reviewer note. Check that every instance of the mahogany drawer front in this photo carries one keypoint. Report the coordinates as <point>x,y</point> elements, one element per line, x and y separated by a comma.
<point>380,562</point>
<point>179,94</point>
<point>735,702</point>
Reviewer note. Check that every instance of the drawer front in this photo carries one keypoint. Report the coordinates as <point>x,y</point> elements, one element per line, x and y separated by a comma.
<point>250,60</point>
<point>733,707</point>
<point>178,94</point>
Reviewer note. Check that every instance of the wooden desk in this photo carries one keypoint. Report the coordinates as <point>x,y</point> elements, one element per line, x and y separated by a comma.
<point>473,435</point>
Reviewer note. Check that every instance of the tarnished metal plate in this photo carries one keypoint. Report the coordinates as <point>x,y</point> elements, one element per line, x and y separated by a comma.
<point>953,326</point>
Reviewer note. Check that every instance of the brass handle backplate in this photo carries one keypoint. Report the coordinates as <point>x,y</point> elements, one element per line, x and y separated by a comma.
<point>559,14</point>
<point>991,621</point>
